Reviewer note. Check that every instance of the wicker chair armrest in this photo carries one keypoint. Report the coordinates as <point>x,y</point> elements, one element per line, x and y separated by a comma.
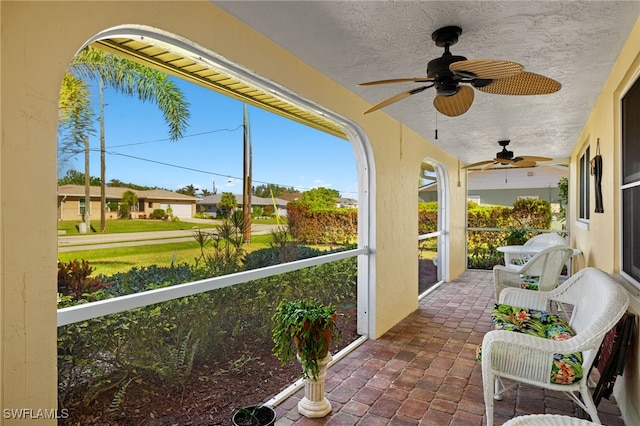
<point>524,298</point>
<point>526,357</point>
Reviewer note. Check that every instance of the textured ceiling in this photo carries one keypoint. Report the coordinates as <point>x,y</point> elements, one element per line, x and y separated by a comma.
<point>574,42</point>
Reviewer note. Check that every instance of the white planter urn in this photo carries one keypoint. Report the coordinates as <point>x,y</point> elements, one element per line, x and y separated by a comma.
<point>315,404</point>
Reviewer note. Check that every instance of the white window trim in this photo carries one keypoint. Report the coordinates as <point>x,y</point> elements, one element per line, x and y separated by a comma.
<point>628,279</point>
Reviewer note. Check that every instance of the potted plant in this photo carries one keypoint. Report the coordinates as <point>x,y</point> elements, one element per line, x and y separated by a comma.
<point>304,329</point>
<point>517,236</point>
<point>257,415</point>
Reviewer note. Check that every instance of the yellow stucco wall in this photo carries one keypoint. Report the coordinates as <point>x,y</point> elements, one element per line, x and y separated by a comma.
<point>38,41</point>
<point>600,242</point>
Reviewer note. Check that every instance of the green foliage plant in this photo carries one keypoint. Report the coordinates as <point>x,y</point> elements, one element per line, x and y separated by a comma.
<point>170,340</point>
<point>272,190</point>
<point>227,203</point>
<point>319,198</point>
<point>227,253</point>
<point>517,236</point>
<point>322,226</point>
<point>74,280</point>
<point>304,328</point>
<point>157,214</point>
<point>563,187</point>
<point>282,241</point>
<point>525,216</point>
<point>129,199</point>
<point>258,415</point>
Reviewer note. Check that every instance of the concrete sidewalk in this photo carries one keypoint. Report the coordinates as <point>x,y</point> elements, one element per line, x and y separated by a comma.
<point>99,241</point>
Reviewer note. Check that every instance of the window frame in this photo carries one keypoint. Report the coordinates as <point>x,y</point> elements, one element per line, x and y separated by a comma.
<point>82,206</point>
<point>629,186</point>
<point>584,186</point>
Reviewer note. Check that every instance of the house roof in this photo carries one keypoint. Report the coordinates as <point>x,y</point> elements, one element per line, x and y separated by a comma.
<point>116,192</point>
<point>290,196</point>
<point>347,201</point>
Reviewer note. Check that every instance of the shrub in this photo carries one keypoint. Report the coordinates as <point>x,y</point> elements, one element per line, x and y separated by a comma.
<point>157,214</point>
<point>74,280</point>
<point>427,217</point>
<point>526,215</point>
<point>165,341</point>
<point>323,226</point>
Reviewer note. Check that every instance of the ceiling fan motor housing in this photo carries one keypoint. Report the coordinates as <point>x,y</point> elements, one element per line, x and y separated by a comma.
<point>504,154</point>
<point>446,82</point>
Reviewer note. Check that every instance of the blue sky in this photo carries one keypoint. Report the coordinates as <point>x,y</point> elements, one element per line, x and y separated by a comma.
<point>285,153</point>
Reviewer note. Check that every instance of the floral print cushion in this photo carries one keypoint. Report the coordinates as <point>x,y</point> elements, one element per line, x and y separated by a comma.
<point>529,283</point>
<point>567,368</point>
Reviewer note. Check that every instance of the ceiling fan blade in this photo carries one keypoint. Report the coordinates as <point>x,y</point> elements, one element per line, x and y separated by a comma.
<point>455,105</point>
<point>491,166</point>
<point>525,83</point>
<point>481,163</point>
<point>505,161</point>
<point>524,163</point>
<point>486,69</point>
<point>396,98</point>
<point>397,80</point>
<point>534,158</point>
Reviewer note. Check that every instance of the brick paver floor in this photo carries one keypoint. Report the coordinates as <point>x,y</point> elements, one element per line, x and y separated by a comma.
<point>424,372</point>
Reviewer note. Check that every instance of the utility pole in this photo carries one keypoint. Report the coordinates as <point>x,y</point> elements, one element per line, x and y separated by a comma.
<point>246,177</point>
<point>87,188</point>
<point>103,174</point>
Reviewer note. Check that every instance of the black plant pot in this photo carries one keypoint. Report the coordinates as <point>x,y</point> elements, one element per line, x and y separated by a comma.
<point>255,416</point>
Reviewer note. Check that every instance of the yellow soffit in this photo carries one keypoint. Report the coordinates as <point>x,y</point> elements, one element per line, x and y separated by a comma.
<point>187,69</point>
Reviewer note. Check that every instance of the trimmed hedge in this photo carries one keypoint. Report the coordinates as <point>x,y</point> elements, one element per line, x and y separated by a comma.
<point>330,226</point>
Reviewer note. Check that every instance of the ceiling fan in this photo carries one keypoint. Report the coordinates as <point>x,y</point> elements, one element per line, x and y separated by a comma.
<point>506,158</point>
<point>450,74</point>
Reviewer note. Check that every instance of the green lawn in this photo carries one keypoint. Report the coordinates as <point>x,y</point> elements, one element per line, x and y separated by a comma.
<point>116,226</point>
<point>108,261</point>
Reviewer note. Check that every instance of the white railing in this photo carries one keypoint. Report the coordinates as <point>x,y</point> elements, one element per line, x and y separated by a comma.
<point>100,308</point>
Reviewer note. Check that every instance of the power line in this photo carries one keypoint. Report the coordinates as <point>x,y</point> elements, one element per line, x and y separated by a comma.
<point>79,151</point>
<point>205,171</point>
<point>184,137</point>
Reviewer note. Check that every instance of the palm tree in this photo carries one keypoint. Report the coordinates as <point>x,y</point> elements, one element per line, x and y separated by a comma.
<point>129,199</point>
<point>132,79</point>
<point>75,120</point>
<point>228,202</point>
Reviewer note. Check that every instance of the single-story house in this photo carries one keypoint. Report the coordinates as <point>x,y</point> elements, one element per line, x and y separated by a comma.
<point>340,202</point>
<point>506,185</point>
<point>71,202</point>
<point>210,204</point>
<point>348,203</point>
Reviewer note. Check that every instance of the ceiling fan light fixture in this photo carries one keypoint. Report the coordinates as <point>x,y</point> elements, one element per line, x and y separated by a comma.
<point>454,105</point>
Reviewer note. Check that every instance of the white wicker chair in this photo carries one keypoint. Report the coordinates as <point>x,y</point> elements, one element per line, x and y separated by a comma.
<point>546,240</point>
<point>547,420</point>
<point>540,240</point>
<point>598,303</point>
<point>546,266</point>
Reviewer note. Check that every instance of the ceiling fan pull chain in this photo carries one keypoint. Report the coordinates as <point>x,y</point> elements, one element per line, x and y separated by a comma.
<point>436,124</point>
